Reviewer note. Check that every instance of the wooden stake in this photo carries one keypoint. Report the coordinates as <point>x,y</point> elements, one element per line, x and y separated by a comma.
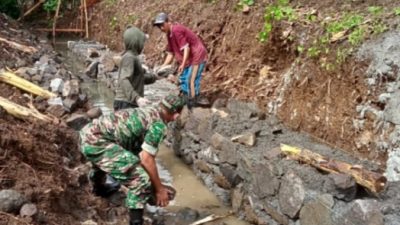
<point>21,111</point>
<point>23,48</point>
<point>81,17</point>
<point>374,182</point>
<point>31,9</point>
<point>86,19</point>
<point>55,21</point>
<point>25,85</point>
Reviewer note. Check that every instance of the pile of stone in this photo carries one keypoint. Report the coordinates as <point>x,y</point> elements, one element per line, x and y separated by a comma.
<point>234,148</point>
<point>102,64</point>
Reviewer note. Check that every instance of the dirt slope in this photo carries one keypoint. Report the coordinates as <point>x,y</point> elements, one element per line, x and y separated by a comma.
<point>304,95</point>
<point>41,160</point>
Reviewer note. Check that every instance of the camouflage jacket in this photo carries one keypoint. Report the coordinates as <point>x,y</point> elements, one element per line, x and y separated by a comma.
<point>133,129</point>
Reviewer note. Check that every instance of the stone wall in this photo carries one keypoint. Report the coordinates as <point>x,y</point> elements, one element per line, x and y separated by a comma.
<point>249,173</point>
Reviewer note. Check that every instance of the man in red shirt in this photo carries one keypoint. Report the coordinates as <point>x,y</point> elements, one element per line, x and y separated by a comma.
<point>189,51</point>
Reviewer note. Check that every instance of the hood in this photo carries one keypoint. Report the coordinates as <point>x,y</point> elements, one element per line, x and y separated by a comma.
<point>134,40</point>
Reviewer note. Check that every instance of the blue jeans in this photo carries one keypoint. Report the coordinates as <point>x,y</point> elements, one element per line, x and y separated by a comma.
<point>186,77</point>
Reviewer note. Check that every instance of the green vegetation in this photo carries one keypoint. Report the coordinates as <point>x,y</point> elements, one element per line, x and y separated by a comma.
<point>50,5</point>
<point>349,21</point>
<point>338,34</point>
<point>110,2</point>
<point>242,3</point>
<point>113,22</point>
<point>10,7</point>
<point>131,18</point>
<point>397,11</point>
<point>274,13</point>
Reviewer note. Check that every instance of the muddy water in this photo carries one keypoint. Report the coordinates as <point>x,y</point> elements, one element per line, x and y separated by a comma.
<point>191,193</point>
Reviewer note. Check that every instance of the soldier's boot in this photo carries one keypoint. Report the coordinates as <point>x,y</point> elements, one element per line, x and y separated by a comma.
<point>136,217</point>
<point>103,184</point>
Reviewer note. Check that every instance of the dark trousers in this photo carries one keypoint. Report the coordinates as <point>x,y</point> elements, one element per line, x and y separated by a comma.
<point>123,105</point>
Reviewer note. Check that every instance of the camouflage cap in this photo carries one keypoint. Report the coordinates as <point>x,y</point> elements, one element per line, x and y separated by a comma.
<point>173,103</point>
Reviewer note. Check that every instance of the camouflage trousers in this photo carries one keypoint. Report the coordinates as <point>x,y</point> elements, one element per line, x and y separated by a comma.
<point>125,167</point>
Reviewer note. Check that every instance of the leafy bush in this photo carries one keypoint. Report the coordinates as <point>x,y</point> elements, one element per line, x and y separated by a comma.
<point>276,12</point>
<point>50,5</point>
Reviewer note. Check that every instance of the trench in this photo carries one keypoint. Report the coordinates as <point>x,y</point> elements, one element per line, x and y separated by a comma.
<point>192,195</point>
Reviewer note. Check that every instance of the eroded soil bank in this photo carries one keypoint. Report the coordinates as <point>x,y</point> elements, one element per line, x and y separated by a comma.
<point>346,107</point>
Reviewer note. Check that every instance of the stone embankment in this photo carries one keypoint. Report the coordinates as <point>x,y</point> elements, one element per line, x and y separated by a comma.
<point>235,149</point>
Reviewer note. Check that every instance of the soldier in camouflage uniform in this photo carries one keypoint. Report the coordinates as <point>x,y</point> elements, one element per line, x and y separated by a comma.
<point>111,143</point>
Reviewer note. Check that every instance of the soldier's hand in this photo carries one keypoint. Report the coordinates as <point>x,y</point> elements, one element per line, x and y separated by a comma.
<point>141,101</point>
<point>162,197</point>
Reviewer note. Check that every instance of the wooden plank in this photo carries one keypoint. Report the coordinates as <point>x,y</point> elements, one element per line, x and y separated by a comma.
<point>61,30</point>
<point>375,182</point>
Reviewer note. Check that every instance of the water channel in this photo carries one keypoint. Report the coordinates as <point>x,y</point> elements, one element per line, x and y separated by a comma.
<point>191,192</point>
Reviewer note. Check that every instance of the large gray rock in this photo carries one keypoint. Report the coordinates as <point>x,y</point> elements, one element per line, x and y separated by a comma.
<point>37,78</point>
<point>164,71</point>
<point>363,212</point>
<point>226,150</point>
<point>248,139</point>
<point>56,85</point>
<point>198,122</point>
<point>243,110</point>
<point>291,194</point>
<point>107,61</point>
<point>28,210</point>
<point>230,173</point>
<point>392,110</point>
<point>77,121</point>
<point>55,101</point>
<point>237,197</point>
<point>70,103</point>
<point>56,110</point>
<point>92,70</point>
<point>341,186</point>
<point>71,88</point>
<point>265,182</point>
<point>275,214</point>
<point>318,212</point>
<point>32,71</point>
<point>11,201</point>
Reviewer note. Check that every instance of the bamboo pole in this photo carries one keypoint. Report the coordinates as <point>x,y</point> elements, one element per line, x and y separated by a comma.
<point>81,17</point>
<point>374,182</point>
<point>31,9</point>
<point>21,111</point>
<point>55,21</point>
<point>24,48</point>
<point>86,20</point>
<point>25,85</point>
<point>61,30</point>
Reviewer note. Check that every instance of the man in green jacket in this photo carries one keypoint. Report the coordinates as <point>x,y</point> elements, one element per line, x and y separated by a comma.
<point>131,76</point>
<point>124,145</point>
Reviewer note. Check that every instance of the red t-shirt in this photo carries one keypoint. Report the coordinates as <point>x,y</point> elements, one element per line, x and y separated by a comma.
<point>180,37</point>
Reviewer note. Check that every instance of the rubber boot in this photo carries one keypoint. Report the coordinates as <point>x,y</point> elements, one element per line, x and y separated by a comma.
<point>103,184</point>
<point>136,217</point>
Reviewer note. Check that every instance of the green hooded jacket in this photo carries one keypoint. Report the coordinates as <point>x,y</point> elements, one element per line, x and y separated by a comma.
<point>131,75</point>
